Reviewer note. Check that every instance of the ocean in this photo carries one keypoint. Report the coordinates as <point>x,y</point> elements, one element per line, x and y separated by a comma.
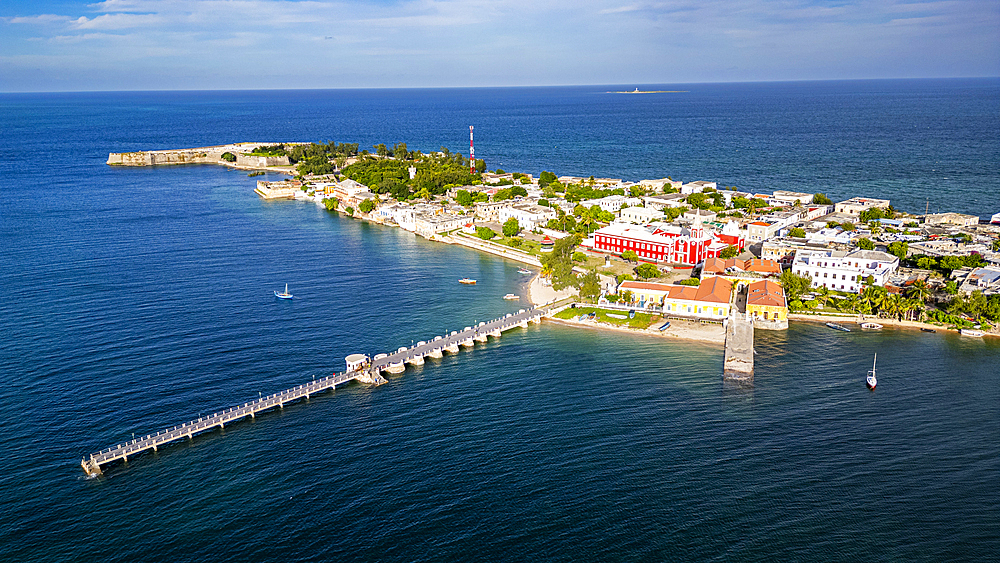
<point>141,298</point>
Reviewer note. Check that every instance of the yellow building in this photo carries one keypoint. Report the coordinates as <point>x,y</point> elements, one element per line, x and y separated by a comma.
<point>766,302</point>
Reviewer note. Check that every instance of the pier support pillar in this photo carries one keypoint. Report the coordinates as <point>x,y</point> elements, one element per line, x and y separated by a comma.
<point>452,349</point>
<point>436,353</point>
<point>416,361</point>
<point>523,324</point>
<point>468,343</point>
<point>496,333</point>
<point>481,337</point>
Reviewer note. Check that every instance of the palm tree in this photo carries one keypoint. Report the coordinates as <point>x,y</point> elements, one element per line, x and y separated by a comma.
<point>918,291</point>
<point>823,295</point>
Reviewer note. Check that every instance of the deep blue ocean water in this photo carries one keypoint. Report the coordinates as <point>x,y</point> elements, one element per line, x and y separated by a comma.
<point>140,298</point>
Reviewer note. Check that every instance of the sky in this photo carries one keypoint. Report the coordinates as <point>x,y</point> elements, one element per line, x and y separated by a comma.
<point>60,45</point>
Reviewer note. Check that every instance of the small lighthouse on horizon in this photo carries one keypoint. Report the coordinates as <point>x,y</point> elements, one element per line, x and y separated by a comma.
<point>472,153</point>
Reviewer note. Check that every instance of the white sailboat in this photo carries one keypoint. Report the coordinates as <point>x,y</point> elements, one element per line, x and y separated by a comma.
<point>284,295</point>
<point>871,381</point>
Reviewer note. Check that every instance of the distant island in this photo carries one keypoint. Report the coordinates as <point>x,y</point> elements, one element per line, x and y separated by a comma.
<point>638,91</point>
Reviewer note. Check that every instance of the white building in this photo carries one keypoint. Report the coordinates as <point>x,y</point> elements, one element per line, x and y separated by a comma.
<point>611,203</point>
<point>856,205</point>
<point>640,215</point>
<point>697,187</point>
<point>792,197</point>
<point>844,271</point>
<point>528,216</point>
<point>664,200</point>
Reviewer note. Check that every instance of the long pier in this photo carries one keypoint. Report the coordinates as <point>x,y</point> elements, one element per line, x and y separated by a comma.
<point>368,371</point>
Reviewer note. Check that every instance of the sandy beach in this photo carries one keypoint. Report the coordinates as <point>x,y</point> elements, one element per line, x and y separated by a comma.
<point>541,294</point>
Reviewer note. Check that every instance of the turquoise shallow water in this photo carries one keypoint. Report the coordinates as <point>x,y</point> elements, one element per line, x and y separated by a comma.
<point>139,298</point>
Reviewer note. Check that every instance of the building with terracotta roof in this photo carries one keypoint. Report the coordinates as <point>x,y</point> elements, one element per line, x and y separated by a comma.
<point>708,301</point>
<point>737,270</point>
<point>766,302</point>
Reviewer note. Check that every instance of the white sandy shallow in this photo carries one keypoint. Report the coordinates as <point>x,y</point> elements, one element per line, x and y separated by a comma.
<point>541,294</point>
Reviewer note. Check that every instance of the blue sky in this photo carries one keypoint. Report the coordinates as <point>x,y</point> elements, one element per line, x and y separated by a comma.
<point>58,45</point>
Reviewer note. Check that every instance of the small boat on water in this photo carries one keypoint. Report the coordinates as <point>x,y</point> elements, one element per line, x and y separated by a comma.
<point>871,326</point>
<point>511,297</point>
<point>871,381</point>
<point>927,329</point>
<point>971,332</point>
<point>467,281</point>
<point>523,271</point>
<point>836,326</point>
<point>285,294</point>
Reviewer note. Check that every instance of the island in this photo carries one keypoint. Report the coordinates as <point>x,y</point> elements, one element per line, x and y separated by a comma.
<point>661,257</point>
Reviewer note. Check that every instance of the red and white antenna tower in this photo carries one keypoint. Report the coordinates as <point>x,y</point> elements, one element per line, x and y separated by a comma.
<point>472,153</point>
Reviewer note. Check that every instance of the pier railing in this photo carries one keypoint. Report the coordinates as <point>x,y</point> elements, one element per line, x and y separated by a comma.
<point>370,374</point>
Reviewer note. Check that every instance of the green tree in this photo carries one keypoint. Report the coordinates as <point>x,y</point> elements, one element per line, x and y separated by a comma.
<point>847,226</point>
<point>729,252</point>
<point>463,197</point>
<point>630,256</point>
<point>367,206</point>
<point>866,244</point>
<point>690,281</point>
<point>898,249</point>
<point>590,287</point>
<point>331,203</point>
<point>349,210</point>
<point>794,284</point>
<point>820,199</point>
<point>400,151</point>
<point>511,227</point>
<point>560,262</point>
<point>647,271</point>
<point>797,232</point>
<point>546,178</point>
<point>579,257</point>
<point>229,157</point>
<point>485,233</point>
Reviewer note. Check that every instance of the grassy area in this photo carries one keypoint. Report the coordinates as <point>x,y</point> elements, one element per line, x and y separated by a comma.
<point>641,320</point>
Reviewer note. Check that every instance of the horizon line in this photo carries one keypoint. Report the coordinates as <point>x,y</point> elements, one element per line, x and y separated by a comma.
<point>605,85</point>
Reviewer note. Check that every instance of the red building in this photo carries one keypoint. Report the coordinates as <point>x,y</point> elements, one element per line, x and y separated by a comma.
<point>665,243</point>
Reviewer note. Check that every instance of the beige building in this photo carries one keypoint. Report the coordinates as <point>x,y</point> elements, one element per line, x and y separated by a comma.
<point>490,210</point>
<point>856,205</point>
<point>951,219</point>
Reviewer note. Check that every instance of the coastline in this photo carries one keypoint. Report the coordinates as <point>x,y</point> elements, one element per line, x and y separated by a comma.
<point>915,325</point>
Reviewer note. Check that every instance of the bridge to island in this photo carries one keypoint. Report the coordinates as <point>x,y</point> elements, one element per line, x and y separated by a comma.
<point>360,368</point>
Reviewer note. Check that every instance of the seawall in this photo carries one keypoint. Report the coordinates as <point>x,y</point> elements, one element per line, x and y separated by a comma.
<point>200,155</point>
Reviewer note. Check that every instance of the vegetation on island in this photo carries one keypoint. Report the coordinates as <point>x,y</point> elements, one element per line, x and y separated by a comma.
<point>558,263</point>
<point>435,173</point>
<point>640,321</point>
<point>229,157</point>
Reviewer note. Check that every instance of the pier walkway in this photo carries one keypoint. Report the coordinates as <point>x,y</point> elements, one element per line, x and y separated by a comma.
<point>369,373</point>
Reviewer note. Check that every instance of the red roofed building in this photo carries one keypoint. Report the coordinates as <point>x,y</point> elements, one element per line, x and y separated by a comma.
<point>710,300</point>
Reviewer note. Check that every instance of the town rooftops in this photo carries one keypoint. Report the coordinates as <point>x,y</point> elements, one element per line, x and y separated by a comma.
<point>767,293</point>
<point>712,290</point>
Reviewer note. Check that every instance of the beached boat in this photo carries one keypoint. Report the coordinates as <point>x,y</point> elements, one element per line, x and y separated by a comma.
<point>665,326</point>
<point>871,326</point>
<point>927,329</point>
<point>511,297</point>
<point>467,281</point>
<point>871,381</point>
<point>995,219</point>
<point>284,295</point>
<point>971,332</point>
<point>836,326</point>
<point>523,271</point>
